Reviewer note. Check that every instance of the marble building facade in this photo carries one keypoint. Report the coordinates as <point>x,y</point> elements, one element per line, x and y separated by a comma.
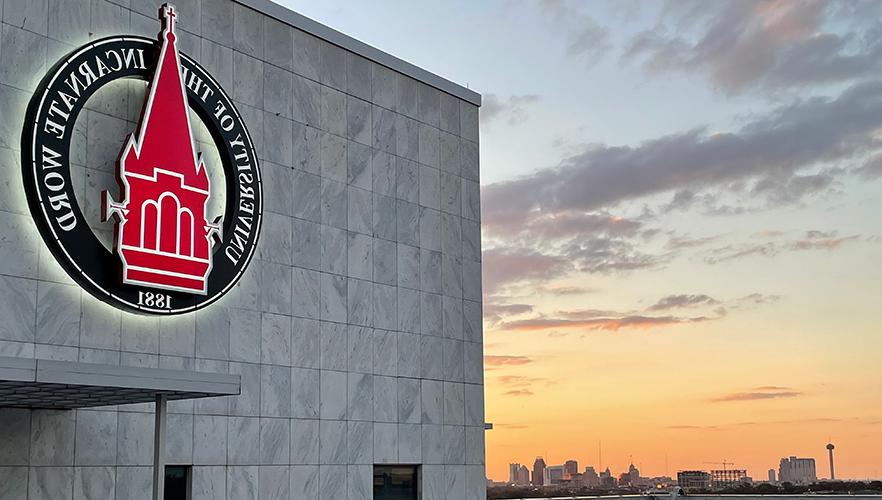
<point>356,330</point>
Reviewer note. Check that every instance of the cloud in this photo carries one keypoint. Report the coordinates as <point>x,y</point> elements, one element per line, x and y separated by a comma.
<point>822,420</point>
<point>772,388</point>
<point>602,319</point>
<point>605,255</point>
<point>812,240</point>
<point>759,394</point>
<point>565,290</point>
<point>566,224</point>
<point>495,313</point>
<point>821,243</point>
<point>786,190</point>
<point>871,169</point>
<point>688,427</point>
<point>720,308</point>
<point>517,380</point>
<point>741,44</point>
<point>559,221</point>
<point>521,382</point>
<point>756,299</point>
<point>497,361</point>
<point>684,241</point>
<point>513,265</point>
<point>682,301</point>
<point>825,420</point>
<point>519,393</point>
<point>543,248</point>
<point>769,233</point>
<point>816,234</point>
<point>732,252</point>
<point>586,40</point>
<point>803,134</point>
<point>682,200</point>
<point>601,323</point>
<point>507,309</point>
<point>512,110</point>
<point>587,313</point>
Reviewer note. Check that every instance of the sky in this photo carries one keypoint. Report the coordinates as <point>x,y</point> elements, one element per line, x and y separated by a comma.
<point>680,220</point>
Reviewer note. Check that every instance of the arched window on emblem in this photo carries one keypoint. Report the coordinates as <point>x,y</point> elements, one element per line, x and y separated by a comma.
<point>150,225</point>
<point>186,233</point>
<point>169,230</point>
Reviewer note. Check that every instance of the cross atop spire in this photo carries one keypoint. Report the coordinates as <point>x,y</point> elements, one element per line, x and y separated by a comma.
<point>164,138</point>
<point>167,14</point>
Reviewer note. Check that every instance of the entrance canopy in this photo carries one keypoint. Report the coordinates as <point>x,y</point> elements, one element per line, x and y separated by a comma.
<point>62,385</point>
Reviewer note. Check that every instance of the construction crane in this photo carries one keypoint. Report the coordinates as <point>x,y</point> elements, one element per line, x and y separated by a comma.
<point>724,463</point>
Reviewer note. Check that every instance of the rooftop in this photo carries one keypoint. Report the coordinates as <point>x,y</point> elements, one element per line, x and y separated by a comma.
<point>333,36</point>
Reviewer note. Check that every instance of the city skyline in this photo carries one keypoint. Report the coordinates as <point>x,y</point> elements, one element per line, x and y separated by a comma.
<point>818,469</point>
<point>823,466</point>
<point>680,206</point>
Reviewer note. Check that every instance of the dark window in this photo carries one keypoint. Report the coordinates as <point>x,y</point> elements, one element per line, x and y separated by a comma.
<point>177,482</point>
<point>396,482</point>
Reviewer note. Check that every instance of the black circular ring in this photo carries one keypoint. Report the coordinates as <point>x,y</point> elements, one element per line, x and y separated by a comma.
<point>77,249</point>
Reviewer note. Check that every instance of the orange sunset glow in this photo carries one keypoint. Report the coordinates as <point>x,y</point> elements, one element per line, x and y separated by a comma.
<point>675,293</point>
<point>769,378</point>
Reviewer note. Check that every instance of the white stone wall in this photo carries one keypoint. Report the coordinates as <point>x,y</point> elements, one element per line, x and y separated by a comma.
<point>357,328</point>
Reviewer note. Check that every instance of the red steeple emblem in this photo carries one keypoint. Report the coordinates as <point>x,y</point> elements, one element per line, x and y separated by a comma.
<point>161,233</point>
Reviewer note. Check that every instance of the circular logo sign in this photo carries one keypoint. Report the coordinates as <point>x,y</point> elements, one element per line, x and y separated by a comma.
<point>167,256</point>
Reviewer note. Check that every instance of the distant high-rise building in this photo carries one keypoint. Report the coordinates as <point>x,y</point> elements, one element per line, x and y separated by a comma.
<point>571,468</point>
<point>554,474</point>
<point>830,451</point>
<point>633,475</point>
<point>539,472</point>
<point>513,473</point>
<point>523,475</point>
<point>518,474</point>
<point>772,476</point>
<point>590,477</point>
<point>607,480</point>
<point>797,470</point>
<point>727,477</point>
<point>693,479</point>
